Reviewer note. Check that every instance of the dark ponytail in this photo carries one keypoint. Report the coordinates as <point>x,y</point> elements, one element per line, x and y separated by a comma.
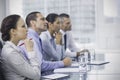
<point>52,17</point>
<point>8,23</point>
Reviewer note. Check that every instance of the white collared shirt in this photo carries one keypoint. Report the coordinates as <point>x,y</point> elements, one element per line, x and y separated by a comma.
<point>71,49</point>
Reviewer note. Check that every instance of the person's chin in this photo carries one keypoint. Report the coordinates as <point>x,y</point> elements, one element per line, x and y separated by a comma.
<point>44,30</point>
<point>24,38</point>
<point>69,29</point>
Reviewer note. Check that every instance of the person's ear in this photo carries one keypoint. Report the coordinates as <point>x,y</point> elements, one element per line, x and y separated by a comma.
<point>50,24</point>
<point>32,22</point>
<point>13,31</point>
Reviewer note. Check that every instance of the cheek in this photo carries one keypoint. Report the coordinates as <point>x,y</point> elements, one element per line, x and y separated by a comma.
<point>23,32</point>
<point>41,26</point>
<point>66,27</point>
<point>37,25</point>
<point>53,27</point>
<point>58,27</point>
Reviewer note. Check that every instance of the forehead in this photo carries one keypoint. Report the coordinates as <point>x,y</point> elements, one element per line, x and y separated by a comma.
<point>57,19</point>
<point>39,15</point>
<point>20,21</point>
<point>66,19</point>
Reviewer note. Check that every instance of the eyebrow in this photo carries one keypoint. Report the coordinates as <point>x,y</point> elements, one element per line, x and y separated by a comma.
<point>43,18</point>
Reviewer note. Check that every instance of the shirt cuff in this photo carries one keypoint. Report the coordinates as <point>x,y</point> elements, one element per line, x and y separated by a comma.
<point>60,64</point>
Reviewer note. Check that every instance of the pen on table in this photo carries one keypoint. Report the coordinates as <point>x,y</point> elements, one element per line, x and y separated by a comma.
<point>24,43</point>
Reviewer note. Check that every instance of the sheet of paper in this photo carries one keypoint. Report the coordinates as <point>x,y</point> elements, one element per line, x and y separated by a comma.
<point>74,64</point>
<point>55,76</point>
<point>66,70</point>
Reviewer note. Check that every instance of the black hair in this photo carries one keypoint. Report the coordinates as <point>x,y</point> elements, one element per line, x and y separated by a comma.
<point>52,17</point>
<point>31,16</point>
<point>8,23</point>
<point>64,15</point>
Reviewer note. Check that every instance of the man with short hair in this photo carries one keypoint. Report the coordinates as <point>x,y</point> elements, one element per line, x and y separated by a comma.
<point>36,24</point>
<point>68,40</point>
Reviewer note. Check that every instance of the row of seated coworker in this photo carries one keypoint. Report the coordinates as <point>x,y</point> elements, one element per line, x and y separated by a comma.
<point>23,54</point>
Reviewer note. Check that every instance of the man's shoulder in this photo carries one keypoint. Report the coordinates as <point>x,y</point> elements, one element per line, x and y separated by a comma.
<point>69,33</point>
<point>44,35</point>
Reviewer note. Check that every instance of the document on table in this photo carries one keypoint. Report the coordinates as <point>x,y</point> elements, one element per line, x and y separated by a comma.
<point>66,70</point>
<point>55,76</point>
<point>98,63</point>
<point>74,64</point>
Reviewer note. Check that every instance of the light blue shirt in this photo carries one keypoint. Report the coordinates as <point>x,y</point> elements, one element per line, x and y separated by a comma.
<point>45,65</point>
<point>51,50</point>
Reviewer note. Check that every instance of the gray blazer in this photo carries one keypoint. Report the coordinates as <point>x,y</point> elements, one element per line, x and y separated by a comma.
<point>16,66</point>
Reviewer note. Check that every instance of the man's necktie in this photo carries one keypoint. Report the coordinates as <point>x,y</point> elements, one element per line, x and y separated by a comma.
<point>41,49</point>
<point>65,41</point>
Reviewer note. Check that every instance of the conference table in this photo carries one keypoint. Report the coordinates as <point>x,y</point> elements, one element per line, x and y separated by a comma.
<point>96,71</point>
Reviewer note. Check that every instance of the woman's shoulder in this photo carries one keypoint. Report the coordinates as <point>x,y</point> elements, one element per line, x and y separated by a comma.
<point>8,49</point>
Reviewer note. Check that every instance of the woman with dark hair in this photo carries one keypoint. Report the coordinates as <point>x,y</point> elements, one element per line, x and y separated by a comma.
<point>52,39</point>
<point>15,65</point>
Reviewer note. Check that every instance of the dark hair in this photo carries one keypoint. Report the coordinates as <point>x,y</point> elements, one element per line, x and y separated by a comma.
<point>64,15</point>
<point>8,23</point>
<point>31,16</point>
<point>52,17</point>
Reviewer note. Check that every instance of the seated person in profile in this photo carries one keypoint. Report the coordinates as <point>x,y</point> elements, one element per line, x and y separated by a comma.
<point>36,24</point>
<point>68,40</point>
<point>52,39</point>
<point>15,65</point>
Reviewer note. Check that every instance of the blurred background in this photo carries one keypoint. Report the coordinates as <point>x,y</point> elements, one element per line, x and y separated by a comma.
<point>95,23</point>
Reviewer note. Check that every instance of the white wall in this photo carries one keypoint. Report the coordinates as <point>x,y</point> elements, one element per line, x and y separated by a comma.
<point>2,10</point>
<point>14,7</point>
<point>107,22</point>
<point>108,25</point>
